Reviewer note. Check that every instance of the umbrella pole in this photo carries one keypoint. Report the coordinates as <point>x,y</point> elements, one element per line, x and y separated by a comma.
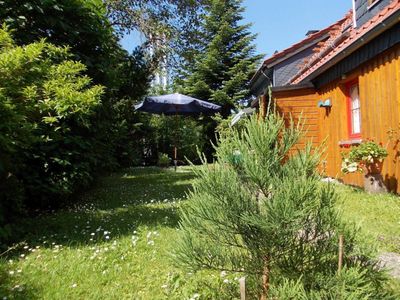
<point>175,155</point>
<point>175,148</point>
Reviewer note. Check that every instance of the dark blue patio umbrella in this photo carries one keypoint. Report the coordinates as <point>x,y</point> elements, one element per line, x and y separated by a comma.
<point>177,104</point>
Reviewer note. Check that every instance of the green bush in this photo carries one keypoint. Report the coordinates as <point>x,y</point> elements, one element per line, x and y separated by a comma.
<point>46,106</point>
<point>163,160</point>
<point>367,153</point>
<point>59,128</point>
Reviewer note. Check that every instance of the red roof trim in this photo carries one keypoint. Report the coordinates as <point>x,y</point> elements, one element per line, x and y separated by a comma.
<point>302,43</point>
<point>318,60</point>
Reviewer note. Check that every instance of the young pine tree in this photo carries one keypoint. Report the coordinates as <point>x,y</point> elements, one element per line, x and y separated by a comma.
<point>222,71</point>
<point>260,209</point>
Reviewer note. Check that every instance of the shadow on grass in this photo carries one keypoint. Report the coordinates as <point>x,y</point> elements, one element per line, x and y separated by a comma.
<point>17,292</point>
<point>138,186</point>
<point>116,206</point>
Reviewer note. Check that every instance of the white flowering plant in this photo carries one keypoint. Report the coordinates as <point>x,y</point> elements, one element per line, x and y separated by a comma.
<point>363,156</point>
<point>350,166</point>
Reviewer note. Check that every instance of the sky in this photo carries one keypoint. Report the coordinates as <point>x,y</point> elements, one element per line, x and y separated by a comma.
<point>279,24</point>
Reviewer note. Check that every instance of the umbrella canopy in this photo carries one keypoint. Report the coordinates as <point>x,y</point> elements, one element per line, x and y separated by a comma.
<point>176,104</point>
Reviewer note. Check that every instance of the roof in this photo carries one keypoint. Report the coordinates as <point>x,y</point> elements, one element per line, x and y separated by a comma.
<point>311,39</point>
<point>341,39</point>
<point>300,45</point>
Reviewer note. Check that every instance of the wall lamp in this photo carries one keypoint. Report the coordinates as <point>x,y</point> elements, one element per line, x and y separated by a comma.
<point>326,103</point>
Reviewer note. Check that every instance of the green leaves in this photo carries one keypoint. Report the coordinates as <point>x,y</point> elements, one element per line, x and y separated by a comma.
<point>45,100</point>
<point>367,152</point>
<point>5,38</point>
<point>41,79</point>
<point>222,71</point>
<point>66,93</point>
<point>267,210</point>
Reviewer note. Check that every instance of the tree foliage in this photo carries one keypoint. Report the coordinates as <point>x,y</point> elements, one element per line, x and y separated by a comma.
<point>80,24</point>
<point>261,210</point>
<point>169,26</point>
<point>222,71</point>
<point>184,133</point>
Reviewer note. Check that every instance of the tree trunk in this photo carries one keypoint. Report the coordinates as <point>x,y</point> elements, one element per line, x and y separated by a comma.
<point>373,180</point>
<point>265,281</point>
<point>374,183</point>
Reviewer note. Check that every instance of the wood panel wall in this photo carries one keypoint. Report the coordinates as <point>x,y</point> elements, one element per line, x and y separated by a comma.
<point>296,104</point>
<point>379,91</point>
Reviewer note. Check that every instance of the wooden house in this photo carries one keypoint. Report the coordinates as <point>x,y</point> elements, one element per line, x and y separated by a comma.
<point>345,80</point>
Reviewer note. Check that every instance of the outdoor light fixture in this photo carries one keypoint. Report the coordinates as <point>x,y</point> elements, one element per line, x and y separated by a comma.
<point>326,103</point>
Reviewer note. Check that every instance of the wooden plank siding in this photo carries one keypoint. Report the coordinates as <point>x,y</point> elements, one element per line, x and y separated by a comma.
<point>379,92</point>
<point>296,104</point>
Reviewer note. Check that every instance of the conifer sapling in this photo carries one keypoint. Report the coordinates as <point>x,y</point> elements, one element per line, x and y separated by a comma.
<point>260,209</point>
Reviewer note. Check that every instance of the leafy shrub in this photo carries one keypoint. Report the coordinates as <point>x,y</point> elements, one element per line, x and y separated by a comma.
<point>368,152</point>
<point>163,160</point>
<point>46,105</point>
<point>59,128</point>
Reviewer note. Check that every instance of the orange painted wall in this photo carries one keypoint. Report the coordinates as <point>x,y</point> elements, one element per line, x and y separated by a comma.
<point>379,91</point>
<point>300,103</point>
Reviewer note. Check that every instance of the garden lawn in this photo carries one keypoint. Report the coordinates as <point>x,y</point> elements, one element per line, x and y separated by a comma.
<point>117,242</point>
<point>378,216</point>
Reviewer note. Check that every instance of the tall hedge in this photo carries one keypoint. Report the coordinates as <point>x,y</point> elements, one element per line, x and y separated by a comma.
<point>46,105</point>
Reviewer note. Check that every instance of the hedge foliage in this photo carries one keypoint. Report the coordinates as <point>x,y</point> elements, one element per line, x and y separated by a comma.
<point>58,128</point>
<point>45,106</point>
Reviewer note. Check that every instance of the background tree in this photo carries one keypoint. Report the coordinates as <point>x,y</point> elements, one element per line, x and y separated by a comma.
<point>222,71</point>
<point>81,25</point>
<point>261,210</point>
<point>170,27</point>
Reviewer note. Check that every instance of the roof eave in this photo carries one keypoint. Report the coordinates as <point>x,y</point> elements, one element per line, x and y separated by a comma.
<point>292,87</point>
<point>256,75</point>
<point>304,47</point>
<point>261,80</point>
<point>254,103</point>
<point>367,37</point>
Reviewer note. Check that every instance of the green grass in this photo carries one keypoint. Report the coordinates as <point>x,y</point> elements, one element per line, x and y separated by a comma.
<point>116,242</point>
<point>377,215</point>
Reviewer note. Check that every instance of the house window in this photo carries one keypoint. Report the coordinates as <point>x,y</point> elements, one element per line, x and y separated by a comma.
<point>354,113</point>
